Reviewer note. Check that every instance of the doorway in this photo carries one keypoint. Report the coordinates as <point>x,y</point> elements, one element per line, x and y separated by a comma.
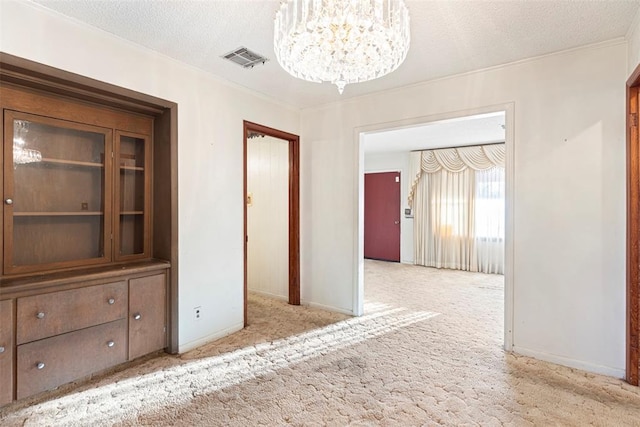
<point>382,216</point>
<point>279,144</point>
<point>506,111</point>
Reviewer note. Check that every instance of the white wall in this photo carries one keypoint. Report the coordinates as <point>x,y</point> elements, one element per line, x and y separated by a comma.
<point>268,216</point>
<point>391,162</point>
<point>210,132</point>
<point>569,207</point>
<point>569,215</point>
<point>633,45</point>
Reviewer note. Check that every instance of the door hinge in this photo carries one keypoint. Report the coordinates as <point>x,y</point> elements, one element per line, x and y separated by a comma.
<point>633,120</point>
<point>246,239</point>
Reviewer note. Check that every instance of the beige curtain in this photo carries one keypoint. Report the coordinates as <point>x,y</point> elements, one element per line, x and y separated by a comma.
<point>443,220</point>
<point>415,171</point>
<point>458,200</point>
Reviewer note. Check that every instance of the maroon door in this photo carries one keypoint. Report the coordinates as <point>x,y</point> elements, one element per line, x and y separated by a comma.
<point>382,216</point>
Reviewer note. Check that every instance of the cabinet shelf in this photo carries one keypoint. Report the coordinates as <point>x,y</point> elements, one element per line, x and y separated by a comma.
<point>71,163</point>
<point>132,213</point>
<point>76,213</point>
<point>131,168</point>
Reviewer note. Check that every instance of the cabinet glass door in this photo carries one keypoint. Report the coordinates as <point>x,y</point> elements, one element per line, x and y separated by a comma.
<point>55,188</point>
<point>132,203</point>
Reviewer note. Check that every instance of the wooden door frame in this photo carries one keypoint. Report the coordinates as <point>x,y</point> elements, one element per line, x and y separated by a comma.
<point>633,227</point>
<point>294,207</point>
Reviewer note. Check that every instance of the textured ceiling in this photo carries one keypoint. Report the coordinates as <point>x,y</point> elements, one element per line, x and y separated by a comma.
<point>447,37</point>
<point>471,130</point>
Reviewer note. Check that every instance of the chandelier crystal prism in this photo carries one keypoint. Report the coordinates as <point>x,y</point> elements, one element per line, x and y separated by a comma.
<point>341,41</point>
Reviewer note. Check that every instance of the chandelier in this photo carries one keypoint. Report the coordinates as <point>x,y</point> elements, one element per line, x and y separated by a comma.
<point>341,41</point>
<point>21,154</point>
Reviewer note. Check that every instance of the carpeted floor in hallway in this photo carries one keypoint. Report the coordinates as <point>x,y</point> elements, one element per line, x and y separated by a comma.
<point>428,351</point>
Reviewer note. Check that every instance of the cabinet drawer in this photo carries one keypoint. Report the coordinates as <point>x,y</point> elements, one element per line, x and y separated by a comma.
<point>48,363</point>
<point>6,351</point>
<point>46,315</point>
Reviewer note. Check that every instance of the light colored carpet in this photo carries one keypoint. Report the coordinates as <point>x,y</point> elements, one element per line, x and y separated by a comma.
<point>426,352</point>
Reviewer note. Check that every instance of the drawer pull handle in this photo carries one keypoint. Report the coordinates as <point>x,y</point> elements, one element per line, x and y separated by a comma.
<point>137,316</point>
<point>40,315</point>
<point>1,349</point>
<point>111,301</point>
<point>40,365</point>
<point>111,344</point>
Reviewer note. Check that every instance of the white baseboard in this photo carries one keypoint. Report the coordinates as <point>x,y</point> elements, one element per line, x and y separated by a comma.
<point>572,363</point>
<point>183,348</point>
<point>327,307</point>
<point>270,295</point>
<point>302,302</point>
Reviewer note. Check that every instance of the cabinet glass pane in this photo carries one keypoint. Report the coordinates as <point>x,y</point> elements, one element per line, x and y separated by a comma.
<point>132,197</point>
<point>57,191</point>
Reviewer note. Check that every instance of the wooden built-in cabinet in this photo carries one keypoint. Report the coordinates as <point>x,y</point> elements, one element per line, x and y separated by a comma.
<point>6,352</point>
<point>82,287</point>
<point>75,330</point>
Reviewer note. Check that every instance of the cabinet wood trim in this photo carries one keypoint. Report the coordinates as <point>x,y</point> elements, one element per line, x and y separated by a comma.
<point>7,374</point>
<point>26,286</point>
<point>28,73</point>
<point>47,105</point>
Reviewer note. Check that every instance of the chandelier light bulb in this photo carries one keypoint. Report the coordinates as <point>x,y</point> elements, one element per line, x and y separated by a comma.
<point>341,41</point>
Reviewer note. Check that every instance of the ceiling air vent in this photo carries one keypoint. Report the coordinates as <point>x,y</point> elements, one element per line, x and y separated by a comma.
<point>244,57</point>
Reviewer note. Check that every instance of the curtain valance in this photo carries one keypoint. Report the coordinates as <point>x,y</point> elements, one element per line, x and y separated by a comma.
<point>458,159</point>
<point>454,160</point>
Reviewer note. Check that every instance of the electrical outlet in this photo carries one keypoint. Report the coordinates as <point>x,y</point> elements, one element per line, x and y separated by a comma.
<point>197,312</point>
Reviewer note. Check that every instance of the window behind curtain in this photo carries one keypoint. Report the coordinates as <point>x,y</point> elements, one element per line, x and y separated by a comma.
<point>489,204</point>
